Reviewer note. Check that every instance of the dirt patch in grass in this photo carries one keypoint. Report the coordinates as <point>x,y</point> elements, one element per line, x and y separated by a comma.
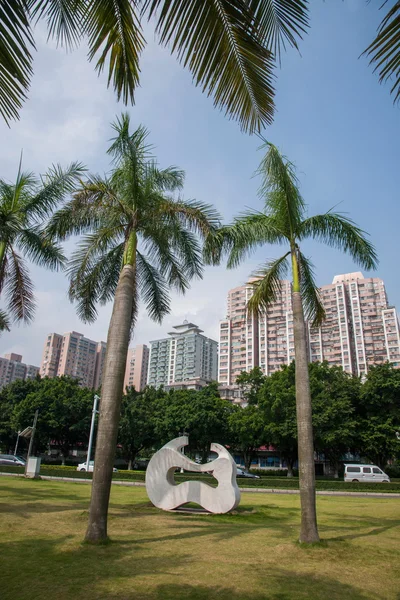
<point>251,554</point>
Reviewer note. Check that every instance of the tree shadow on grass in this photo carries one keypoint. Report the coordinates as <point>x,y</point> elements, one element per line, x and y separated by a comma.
<point>39,568</point>
<point>359,526</point>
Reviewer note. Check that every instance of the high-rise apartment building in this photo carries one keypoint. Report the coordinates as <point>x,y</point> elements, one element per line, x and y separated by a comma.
<point>248,341</point>
<point>137,366</point>
<point>360,329</point>
<point>74,355</point>
<point>12,368</point>
<point>185,355</point>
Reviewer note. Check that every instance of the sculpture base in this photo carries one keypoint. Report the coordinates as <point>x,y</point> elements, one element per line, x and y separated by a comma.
<point>190,511</point>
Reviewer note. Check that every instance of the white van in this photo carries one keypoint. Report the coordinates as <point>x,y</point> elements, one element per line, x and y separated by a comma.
<point>367,473</point>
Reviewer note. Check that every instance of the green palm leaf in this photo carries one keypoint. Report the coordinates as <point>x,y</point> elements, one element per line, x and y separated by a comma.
<point>40,249</point>
<point>280,21</point>
<point>64,19</point>
<point>312,304</point>
<point>16,41</point>
<point>384,51</point>
<point>114,30</point>
<point>216,40</point>
<point>153,289</point>
<point>340,232</point>
<point>4,321</point>
<point>19,289</point>
<point>267,286</point>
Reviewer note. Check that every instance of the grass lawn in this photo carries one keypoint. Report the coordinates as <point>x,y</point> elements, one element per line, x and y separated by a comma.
<point>249,555</point>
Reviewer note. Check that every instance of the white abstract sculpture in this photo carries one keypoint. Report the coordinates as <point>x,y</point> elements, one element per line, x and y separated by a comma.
<point>166,494</point>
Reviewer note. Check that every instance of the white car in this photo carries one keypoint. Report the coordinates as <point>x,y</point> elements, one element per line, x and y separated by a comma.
<point>83,467</point>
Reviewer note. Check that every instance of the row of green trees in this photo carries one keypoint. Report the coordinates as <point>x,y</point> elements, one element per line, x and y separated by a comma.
<point>348,416</point>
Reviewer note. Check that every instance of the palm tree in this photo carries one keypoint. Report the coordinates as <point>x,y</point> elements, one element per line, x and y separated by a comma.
<point>230,46</point>
<point>138,241</point>
<point>24,207</point>
<point>283,221</point>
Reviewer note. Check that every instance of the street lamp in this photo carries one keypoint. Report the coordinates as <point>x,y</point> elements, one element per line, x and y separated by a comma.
<point>94,412</point>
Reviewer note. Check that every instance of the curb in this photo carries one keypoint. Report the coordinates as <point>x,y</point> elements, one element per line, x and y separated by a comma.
<point>246,490</point>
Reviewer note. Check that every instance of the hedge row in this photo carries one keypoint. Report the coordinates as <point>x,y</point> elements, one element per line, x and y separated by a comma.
<point>266,482</point>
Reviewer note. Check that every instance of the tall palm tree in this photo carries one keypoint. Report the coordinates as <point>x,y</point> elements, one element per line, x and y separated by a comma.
<point>24,208</point>
<point>138,241</point>
<point>283,221</point>
<point>230,46</point>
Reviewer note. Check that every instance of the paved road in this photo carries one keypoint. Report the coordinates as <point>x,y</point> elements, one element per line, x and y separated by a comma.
<point>252,490</point>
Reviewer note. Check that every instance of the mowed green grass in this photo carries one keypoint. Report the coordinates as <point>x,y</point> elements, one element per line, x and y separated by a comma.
<point>249,555</point>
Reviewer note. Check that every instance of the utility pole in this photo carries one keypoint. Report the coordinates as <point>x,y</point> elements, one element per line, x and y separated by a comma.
<point>94,412</point>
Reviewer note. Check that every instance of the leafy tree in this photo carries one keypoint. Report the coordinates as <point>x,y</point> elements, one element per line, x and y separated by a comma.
<point>138,240</point>
<point>378,413</point>
<point>334,396</point>
<point>202,414</point>
<point>248,431</point>
<point>251,383</point>
<point>230,46</point>
<point>284,221</point>
<point>24,207</point>
<point>64,413</point>
<point>137,427</point>
<point>10,397</point>
<point>277,401</point>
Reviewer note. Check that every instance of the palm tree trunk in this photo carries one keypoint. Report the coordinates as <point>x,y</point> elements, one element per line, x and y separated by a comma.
<point>308,531</point>
<point>110,404</point>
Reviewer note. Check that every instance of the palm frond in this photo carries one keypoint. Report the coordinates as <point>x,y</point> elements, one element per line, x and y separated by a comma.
<point>40,249</point>
<point>196,216</point>
<point>129,145</point>
<point>93,278</point>
<point>153,289</point>
<point>56,185</point>
<point>217,40</point>
<point>64,19</point>
<point>267,286</point>
<point>280,21</point>
<point>19,289</point>
<point>384,51</point>
<point>4,321</point>
<point>15,58</point>
<point>176,251</point>
<point>90,207</point>
<point>250,230</point>
<point>280,188</point>
<point>342,233</point>
<point>170,179</point>
<point>114,30</point>
<point>312,304</point>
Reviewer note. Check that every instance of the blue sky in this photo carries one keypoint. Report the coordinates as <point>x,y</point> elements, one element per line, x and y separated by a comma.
<point>333,120</point>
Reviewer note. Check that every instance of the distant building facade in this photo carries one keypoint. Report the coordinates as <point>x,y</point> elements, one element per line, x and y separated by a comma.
<point>361,329</point>
<point>74,355</point>
<point>186,355</point>
<point>137,366</point>
<point>12,368</point>
<point>247,341</point>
